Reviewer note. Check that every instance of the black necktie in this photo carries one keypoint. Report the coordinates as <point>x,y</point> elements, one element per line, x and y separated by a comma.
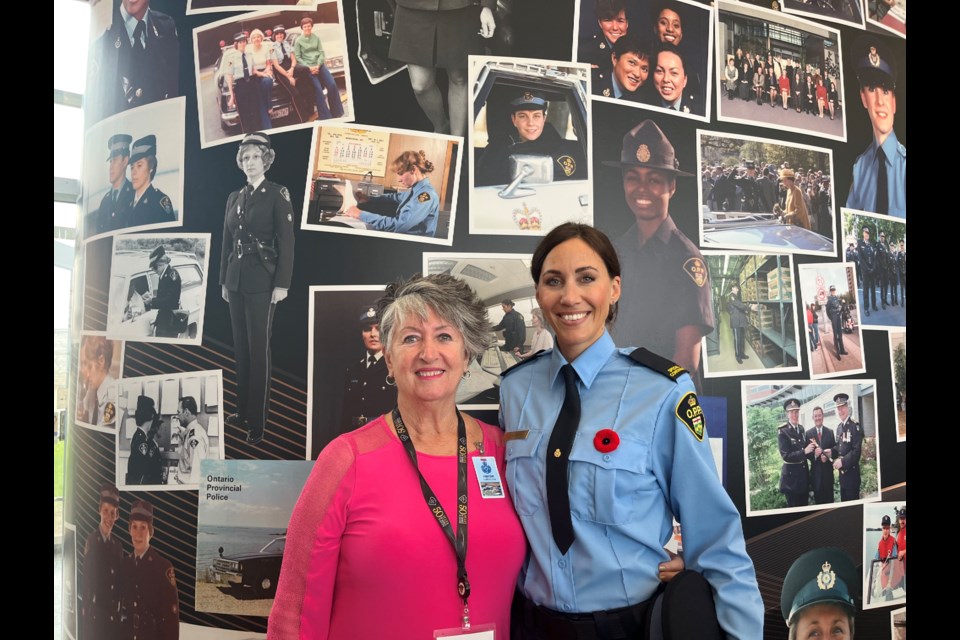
<point>246,69</point>
<point>558,451</point>
<point>881,205</point>
<point>371,360</point>
<point>138,34</point>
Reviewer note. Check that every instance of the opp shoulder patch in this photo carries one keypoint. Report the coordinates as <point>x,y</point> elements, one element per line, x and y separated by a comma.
<point>171,578</point>
<point>285,193</point>
<point>690,413</point>
<point>166,205</point>
<point>658,363</point>
<point>423,197</point>
<point>568,164</point>
<point>696,270</point>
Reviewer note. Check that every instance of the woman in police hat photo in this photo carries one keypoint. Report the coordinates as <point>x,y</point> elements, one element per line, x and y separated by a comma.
<point>819,596</point>
<point>256,265</point>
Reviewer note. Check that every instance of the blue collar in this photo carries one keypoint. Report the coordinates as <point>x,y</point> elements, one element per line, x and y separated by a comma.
<point>891,147</point>
<point>588,364</point>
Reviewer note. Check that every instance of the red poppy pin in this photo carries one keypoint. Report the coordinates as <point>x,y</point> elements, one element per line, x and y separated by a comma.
<point>606,440</point>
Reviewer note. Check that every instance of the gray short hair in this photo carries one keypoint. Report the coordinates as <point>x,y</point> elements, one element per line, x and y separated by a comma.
<point>450,298</point>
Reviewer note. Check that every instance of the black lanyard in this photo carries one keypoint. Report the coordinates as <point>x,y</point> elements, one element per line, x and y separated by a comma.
<point>458,542</point>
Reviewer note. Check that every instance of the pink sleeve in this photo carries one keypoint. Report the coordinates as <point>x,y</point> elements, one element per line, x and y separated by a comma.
<point>304,597</point>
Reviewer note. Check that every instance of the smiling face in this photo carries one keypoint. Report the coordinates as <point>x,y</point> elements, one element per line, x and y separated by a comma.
<point>843,412</point>
<point>529,123</point>
<point>614,28</point>
<point>793,416</point>
<point>427,358</point>
<point>669,78</point>
<point>823,621</point>
<point>371,338</point>
<point>108,517</point>
<point>140,536</point>
<point>631,70</point>
<point>881,106</point>
<point>818,417</point>
<point>575,293</point>
<point>648,193</point>
<point>668,27</point>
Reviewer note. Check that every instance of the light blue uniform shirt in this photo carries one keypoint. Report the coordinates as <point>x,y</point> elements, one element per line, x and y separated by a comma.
<point>623,502</point>
<point>417,211</point>
<point>863,191</point>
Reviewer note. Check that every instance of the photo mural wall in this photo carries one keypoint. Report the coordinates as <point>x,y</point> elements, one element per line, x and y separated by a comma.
<point>224,335</point>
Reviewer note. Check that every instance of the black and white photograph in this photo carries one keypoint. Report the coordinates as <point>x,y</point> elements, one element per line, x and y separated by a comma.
<point>347,382</point>
<point>242,514</point>
<point>101,363</point>
<point>133,171</point>
<point>847,12</point>
<point>167,424</point>
<point>890,15</point>
<point>158,287</point>
<point>756,330</point>
<point>250,81</point>
<point>877,245</point>
<point>220,6</point>
<point>758,193</point>
<point>898,368</point>
<point>502,282</point>
<point>795,67</point>
<point>134,57</point>
<point>898,620</point>
<point>651,53</point>
<point>828,292</point>
<point>375,20</point>
<point>68,597</point>
<point>884,554</point>
<point>530,146</point>
<point>384,183</point>
<point>809,445</point>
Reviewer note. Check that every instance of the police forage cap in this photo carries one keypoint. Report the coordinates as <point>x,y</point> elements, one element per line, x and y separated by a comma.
<point>145,409</point>
<point>119,145</point>
<point>144,147</point>
<point>529,100</point>
<point>156,255</point>
<point>874,70</point>
<point>792,403</point>
<point>110,494</point>
<point>257,137</point>
<point>841,398</point>
<point>279,29</point>
<point>142,510</point>
<point>240,37</point>
<point>820,576</point>
<point>903,512</point>
<point>645,146</point>
<point>368,315</point>
<point>885,521</point>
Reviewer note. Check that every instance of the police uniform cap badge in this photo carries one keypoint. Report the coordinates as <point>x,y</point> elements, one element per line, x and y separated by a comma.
<point>603,45</point>
<point>643,153</point>
<point>423,197</point>
<point>697,271</point>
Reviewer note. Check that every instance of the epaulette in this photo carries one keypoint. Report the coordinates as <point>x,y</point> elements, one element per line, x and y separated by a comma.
<point>524,362</point>
<point>659,364</point>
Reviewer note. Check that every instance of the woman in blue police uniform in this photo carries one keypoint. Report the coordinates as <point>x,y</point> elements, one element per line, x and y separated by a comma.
<point>597,492</point>
<point>417,208</point>
<point>256,265</point>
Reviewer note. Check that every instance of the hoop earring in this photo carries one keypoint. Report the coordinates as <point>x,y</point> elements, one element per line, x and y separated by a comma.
<point>466,374</point>
<point>390,380</point>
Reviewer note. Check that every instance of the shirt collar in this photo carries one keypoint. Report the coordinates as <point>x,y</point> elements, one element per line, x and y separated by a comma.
<point>890,147</point>
<point>589,363</point>
<point>672,105</point>
<point>130,23</point>
<point>256,185</point>
<point>617,90</point>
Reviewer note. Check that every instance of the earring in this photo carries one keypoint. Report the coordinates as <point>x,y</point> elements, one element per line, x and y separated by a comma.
<point>390,380</point>
<point>466,374</point>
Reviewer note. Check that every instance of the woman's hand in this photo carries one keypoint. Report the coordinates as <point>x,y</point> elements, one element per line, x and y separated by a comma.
<point>224,293</point>
<point>279,295</point>
<point>670,569</point>
<point>487,23</point>
<point>352,212</point>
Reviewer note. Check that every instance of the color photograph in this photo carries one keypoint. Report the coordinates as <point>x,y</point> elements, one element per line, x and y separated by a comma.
<point>809,445</point>
<point>835,346</point>
<point>877,245</point>
<point>212,6</point>
<point>884,554</point>
<point>101,364</point>
<point>796,82</point>
<point>890,15</point>
<point>250,81</point>
<point>847,12</point>
<point>530,145</point>
<point>898,365</point>
<point>384,183</point>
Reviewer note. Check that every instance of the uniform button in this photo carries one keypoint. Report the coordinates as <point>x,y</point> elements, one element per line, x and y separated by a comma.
<point>562,564</point>
<point>606,458</point>
<point>567,607</point>
<point>241,226</point>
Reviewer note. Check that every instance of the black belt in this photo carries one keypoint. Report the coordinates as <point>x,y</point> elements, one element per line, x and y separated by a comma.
<point>242,249</point>
<point>626,622</point>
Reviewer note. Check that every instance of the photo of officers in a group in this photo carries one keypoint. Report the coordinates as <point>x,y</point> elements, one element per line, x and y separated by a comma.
<point>168,424</point>
<point>654,53</point>
<point>271,70</point>
<point>757,193</point>
<point>877,245</point>
<point>133,179</point>
<point>826,446</point>
<point>128,589</point>
<point>835,344</point>
<point>780,71</point>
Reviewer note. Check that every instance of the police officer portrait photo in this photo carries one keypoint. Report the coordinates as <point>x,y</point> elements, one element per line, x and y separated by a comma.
<point>884,554</point>
<point>830,290</point>
<point>530,143</point>
<point>158,287</point>
<point>380,182</point>
<point>651,53</point>
<point>273,70</point>
<point>890,15</point>
<point>168,424</point>
<point>795,69</point>
<point>809,445</point>
<point>211,6</point>
<point>101,362</point>
<point>763,194</point>
<point>133,179</point>
<point>877,245</point>
<point>134,56</point>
